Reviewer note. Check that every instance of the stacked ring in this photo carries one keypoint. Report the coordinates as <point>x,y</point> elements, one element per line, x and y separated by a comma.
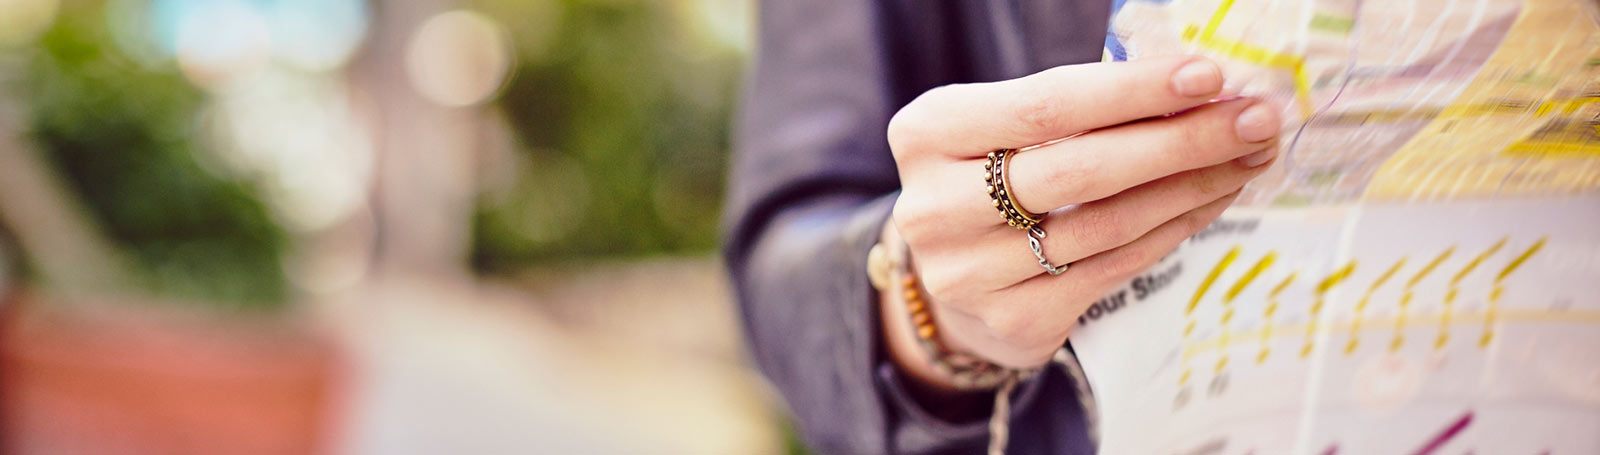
<point>1004,200</point>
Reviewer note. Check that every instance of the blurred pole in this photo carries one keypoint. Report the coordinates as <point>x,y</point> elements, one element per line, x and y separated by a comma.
<point>423,194</point>
<point>54,232</point>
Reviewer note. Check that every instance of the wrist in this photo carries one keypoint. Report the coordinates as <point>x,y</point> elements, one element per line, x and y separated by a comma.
<point>915,333</point>
<point>934,391</point>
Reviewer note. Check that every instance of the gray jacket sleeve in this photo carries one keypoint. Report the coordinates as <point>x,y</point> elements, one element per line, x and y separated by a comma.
<point>812,184</point>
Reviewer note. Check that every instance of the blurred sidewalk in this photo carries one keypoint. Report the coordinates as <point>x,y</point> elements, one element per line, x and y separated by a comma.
<point>631,357</point>
<point>624,357</point>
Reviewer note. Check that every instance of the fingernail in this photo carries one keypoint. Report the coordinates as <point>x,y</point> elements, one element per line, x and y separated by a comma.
<point>1259,158</point>
<point>1257,123</point>
<point>1197,78</point>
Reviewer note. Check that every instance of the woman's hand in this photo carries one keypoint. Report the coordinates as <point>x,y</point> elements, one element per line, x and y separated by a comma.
<point>1134,184</point>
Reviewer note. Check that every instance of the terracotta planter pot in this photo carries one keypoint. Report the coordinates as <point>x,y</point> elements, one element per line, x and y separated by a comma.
<point>144,378</point>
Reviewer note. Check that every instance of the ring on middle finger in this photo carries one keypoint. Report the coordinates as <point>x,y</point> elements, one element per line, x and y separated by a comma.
<point>1001,194</point>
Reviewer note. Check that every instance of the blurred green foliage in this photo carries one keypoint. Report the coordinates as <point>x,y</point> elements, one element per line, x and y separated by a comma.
<point>122,137</point>
<point>622,112</point>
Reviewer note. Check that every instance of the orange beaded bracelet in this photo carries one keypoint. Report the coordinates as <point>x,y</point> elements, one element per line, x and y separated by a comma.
<point>965,371</point>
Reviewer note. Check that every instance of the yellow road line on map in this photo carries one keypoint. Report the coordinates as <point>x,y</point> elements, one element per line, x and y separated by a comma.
<point>1542,316</point>
<point>1321,297</point>
<point>1200,293</point>
<point>1211,278</point>
<point>1266,316</point>
<point>1455,287</point>
<point>1262,57</point>
<point>1448,160</point>
<point>1405,299</point>
<point>1238,287</point>
<point>1554,149</point>
<point>1521,259</point>
<point>1456,280</point>
<point>1499,290</point>
<point>1541,109</point>
<point>1250,276</point>
<point>1355,329</point>
<point>1423,274</point>
<point>1207,38</point>
<point>1216,19</point>
<point>1336,277</point>
<point>1282,285</point>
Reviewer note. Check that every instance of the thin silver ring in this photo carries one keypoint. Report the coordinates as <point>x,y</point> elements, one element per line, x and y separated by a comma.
<point>1035,234</point>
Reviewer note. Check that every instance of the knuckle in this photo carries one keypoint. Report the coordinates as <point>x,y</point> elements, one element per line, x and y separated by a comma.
<point>943,283</point>
<point>1194,222</point>
<point>1190,139</point>
<point>914,220</point>
<point>1009,326</point>
<point>1070,178</point>
<point>903,132</point>
<point>908,130</point>
<point>1038,113</point>
<point>1123,265</point>
<point>1102,229</point>
<point>1208,182</point>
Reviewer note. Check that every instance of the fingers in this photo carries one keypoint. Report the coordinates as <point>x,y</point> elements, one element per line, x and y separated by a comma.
<point>968,120</point>
<point>1087,229</point>
<point>1112,268</point>
<point>1022,324</point>
<point>1105,162</point>
<point>1032,314</point>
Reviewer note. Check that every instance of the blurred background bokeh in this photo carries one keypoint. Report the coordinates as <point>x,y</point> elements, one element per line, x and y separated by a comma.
<point>350,226</point>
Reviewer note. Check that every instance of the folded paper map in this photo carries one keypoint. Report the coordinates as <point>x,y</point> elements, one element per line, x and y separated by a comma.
<point>1420,271</point>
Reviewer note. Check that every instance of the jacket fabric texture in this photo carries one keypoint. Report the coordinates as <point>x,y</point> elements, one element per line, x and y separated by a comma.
<point>813,182</point>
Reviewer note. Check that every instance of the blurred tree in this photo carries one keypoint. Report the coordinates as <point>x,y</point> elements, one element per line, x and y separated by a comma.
<point>622,110</point>
<point>121,135</point>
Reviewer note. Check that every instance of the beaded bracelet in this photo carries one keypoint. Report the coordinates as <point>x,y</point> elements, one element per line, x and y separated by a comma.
<point>965,371</point>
